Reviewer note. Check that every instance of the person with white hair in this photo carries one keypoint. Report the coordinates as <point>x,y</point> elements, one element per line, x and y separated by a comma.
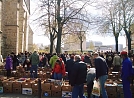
<point>78,77</point>
<point>101,73</point>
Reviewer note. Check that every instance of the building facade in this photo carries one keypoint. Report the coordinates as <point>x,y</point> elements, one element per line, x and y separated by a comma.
<point>15,26</point>
<point>132,37</point>
<point>72,43</point>
<point>0,24</point>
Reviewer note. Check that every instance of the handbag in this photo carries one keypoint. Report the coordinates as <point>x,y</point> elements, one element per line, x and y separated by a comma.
<point>96,88</point>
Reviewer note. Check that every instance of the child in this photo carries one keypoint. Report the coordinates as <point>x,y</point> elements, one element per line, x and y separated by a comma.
<point>59,69</point>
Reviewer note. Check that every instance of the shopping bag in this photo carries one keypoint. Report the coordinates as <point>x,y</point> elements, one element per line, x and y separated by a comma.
<point>96,88</point>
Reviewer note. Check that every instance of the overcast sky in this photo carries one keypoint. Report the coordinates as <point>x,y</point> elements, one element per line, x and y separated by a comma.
<point>106,40</point>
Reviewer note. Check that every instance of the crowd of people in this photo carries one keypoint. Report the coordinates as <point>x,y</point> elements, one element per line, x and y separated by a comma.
<point>82,68</point>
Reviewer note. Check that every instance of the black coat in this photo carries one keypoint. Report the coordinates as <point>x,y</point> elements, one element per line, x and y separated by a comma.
<point>79,73</point>
<point>87,60</point>
<point>69,66</point>
<point>101,67</point>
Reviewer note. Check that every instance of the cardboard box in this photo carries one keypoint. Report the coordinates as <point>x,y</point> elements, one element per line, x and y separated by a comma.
<point>26,75</point>
<point>26,85</point>
<point>34,91</point>
<point>114,77</point>
<point>17,90</point>
<point>66,88</point>
<point>1,84</point>
<point>112,95</point>
<point>40,75</point>
<point>27,91</point>
<point>20,75</point>
<point>56,93</point>
<point>122,95</point>
<point>34,85</point>
<point>44,75</point>
<point>7,83</point>
<point>1,90</point>
<point>14,74</point>
<point>16,84</point>
<point>48,74</point>
<point>46,86</point>
<point>46,93</point>
<point>66,94</point>
<point>120,89</point>
<point>111,89</point>
<point>55,87</point>
<point>2,78</point>
<point>7,89</point>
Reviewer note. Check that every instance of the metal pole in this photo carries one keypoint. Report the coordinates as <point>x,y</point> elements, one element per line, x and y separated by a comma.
<point>39,88</point>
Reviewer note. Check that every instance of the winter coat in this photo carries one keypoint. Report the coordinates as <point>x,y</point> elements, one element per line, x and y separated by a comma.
<point>8,64</point>
<point>78,74</point>
<point>52,61</point>
<point>117,61</point>
<point>101,67</point>
<point>59,68</point>
<point>34,58</point>
<point>87,60</point>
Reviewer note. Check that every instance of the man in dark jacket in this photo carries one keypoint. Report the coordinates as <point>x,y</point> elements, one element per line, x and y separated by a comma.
<point>78,77</point>
<point>69,66</point>
<point>87,60</point>
<point>101,72</point>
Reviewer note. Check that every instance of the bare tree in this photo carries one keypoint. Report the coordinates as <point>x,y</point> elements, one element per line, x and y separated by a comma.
<point>60,13</point>
<point>111,20</point>
<point>127,16</point>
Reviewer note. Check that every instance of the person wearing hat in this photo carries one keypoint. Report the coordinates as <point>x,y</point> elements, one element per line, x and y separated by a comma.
<point>126,74</point>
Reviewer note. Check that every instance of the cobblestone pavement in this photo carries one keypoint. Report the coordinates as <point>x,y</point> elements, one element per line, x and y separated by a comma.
<point>20,96</point>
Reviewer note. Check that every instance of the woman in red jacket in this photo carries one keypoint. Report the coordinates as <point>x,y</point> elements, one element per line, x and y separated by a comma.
<point>59,69</point>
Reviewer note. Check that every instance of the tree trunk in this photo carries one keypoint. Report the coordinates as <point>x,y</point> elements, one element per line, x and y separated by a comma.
<point>129,42</point>
<point>128,35</point>
<point>59,33</point>
<point>58,47</point>
<point>81,46</point>
<point>116,43</point>
<point>51,43</point>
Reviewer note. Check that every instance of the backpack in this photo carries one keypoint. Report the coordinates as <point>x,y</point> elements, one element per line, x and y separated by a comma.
<point>109,58</point>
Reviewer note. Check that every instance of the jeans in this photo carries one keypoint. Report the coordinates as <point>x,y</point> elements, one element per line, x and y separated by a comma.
<point>58,76</point>
<point>33,68</point>
<point>78,91</point>
<point>126,88</point>
<point>102,80</point>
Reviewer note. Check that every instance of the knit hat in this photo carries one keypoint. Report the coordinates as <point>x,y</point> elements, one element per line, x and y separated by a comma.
<point>123,53</point>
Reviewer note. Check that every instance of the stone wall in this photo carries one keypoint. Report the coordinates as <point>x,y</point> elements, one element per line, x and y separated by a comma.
<point>132,36</point>
<point>0,25</point>
<point>15,26</point>
<point>10,16</point>
<point>30,40</point>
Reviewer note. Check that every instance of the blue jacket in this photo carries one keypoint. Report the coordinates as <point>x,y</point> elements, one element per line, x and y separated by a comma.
<point>127,70</point>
